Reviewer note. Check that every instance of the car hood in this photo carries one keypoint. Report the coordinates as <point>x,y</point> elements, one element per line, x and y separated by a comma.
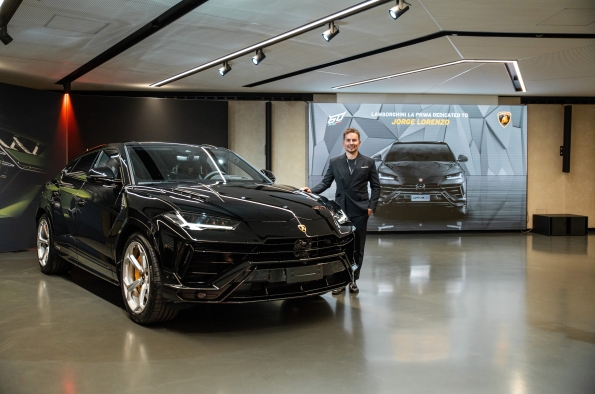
<point>251,202</point>
<point>412,171</point>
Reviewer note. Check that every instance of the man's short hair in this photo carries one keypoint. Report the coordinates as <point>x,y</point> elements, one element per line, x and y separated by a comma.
<point>351,130</point>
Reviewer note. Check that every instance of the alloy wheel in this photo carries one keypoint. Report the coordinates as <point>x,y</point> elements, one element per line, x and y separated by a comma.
<point>43,242</point>
<point>136,276</point>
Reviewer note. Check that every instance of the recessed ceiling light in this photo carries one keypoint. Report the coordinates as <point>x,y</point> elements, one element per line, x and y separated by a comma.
<point>515,75</point>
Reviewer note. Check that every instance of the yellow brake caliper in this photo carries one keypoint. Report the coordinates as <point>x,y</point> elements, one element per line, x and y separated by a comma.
<point>137,272</point>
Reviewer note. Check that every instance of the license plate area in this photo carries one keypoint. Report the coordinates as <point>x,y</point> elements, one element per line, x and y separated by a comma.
<point>420,197</point>
<point>304,274</point>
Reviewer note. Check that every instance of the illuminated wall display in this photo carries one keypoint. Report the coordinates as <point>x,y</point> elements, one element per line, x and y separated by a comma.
<point>441,167</point>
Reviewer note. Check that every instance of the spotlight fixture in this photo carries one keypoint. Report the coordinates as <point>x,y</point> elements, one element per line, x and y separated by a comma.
<point>399,9</point>
<point>259,57</point>
<point>340,15</point>
<point>332,31</point>
<point>225,69</point>
<point>4,36</point>
<point>7,10</point>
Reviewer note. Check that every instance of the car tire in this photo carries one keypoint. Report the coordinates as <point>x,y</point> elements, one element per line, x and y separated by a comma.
<point>140,281</point>
<point>49,262</point>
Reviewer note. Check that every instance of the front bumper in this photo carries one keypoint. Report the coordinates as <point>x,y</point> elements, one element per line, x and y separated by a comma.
<point>447,195</point>
<point>276,269</point>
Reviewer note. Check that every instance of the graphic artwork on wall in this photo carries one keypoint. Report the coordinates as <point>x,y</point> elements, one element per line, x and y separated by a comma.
<point>441,167</point>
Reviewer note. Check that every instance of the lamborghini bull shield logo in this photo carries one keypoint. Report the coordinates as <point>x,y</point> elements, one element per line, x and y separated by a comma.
<point>302,228</point>
<point>504,118</point>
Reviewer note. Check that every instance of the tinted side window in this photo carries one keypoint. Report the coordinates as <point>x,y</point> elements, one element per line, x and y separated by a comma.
<point>70,166</point>
<point>84,164</point>
<point>110,159</point>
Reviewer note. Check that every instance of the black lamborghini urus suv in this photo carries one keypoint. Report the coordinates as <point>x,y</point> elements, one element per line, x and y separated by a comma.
<point>421,174</point>
<point>175,224</point>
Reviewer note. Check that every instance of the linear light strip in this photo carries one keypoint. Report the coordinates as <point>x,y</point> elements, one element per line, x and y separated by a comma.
<point>518,73</point>
<point>285,36</point>
<point>514,62</point>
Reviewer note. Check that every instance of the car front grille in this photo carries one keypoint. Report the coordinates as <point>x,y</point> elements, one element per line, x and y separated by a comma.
<point>405,191</point>
<point>208,260</point>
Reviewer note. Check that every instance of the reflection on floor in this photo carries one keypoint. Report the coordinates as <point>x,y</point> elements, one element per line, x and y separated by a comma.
<point>437,313</point>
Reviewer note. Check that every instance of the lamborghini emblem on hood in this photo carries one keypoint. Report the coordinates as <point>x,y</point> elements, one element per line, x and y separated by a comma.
<point>504,118</point>
<point>302,228</point>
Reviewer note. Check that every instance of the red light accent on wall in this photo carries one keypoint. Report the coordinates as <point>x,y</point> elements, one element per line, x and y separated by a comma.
<point>69,128</point>
<point>68,382</point>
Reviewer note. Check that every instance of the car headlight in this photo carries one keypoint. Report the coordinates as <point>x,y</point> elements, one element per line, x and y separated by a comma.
<point>199,221</point>
<point>382,175</point>
<point>340,217</point>
<point>458,175</point>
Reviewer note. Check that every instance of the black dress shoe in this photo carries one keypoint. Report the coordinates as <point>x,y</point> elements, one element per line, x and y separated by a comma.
<point>338,291</point>
<point>353,288</point>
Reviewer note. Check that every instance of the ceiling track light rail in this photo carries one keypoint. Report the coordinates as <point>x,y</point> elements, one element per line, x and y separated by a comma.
<point>171,15</point>
<point>356,9</point>
<point>419,40</point>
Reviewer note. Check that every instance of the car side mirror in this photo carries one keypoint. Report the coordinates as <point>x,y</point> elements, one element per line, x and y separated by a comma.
<point>377,157</point>
<point>101,175</point>
<point>462,158</point>
<point>269,174</point>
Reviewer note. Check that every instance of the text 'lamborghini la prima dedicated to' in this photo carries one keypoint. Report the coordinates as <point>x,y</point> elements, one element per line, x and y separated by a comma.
<point>176,224</point>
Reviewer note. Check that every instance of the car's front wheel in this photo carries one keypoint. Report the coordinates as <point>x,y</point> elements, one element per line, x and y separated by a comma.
<point>140,280</point>
<point>49,262</point>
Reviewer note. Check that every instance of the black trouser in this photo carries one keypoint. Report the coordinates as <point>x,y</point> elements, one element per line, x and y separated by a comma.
<point>361,229</point>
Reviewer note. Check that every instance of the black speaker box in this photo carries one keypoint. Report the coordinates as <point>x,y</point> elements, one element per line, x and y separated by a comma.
<point>560,224</point>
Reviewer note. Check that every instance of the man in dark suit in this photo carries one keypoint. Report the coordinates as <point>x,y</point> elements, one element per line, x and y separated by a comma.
<point>352,173</point>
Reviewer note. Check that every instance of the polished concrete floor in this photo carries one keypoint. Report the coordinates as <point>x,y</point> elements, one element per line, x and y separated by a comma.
<point>437,313</point>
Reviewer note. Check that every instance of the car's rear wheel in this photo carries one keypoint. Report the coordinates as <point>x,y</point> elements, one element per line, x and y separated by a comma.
<point>49,262</point>
<point>140,280</point>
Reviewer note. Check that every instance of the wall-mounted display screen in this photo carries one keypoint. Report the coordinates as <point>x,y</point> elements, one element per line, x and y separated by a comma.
<point>441,167</point>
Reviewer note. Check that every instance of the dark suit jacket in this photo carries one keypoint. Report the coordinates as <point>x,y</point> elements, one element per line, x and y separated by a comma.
<point>352,189</point>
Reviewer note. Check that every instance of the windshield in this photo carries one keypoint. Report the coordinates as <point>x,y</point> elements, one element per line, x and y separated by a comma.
<point>155,163</point>
<point>420,152</point>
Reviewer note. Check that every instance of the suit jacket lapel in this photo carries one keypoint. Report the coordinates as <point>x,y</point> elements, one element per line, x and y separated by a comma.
<point>344,170</point>
<point>356,166</point>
